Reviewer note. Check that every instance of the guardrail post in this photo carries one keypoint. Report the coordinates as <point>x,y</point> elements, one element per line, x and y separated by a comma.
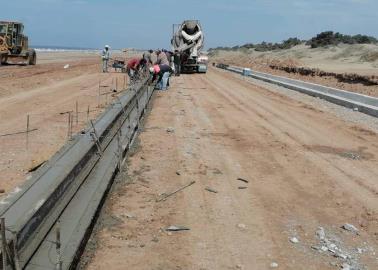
<point>119,147</point>
<point>96,139</point>
<point>27,131</point>
<point>3,245</point>
<point>77,112</point>
<point>15,253</point>
<point>59,262</point>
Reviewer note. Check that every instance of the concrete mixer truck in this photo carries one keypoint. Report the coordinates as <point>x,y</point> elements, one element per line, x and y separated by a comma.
<point>187,43</point>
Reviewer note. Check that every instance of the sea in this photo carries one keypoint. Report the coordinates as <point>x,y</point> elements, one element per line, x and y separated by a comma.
<point>40,48</point>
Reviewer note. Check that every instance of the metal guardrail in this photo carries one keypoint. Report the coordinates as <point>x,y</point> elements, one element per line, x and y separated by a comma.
<point>66,192</point>
<point>365,104</point>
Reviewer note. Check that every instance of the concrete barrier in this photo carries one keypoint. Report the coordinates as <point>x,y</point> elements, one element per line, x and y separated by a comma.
<point>365,104</point>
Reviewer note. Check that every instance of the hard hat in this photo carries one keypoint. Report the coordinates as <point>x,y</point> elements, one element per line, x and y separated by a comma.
<point>151,70</point>
<point>106,46</point>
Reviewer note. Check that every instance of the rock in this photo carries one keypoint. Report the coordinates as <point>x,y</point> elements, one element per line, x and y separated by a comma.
<point>170,130</point>
<point>346,266</point>
<point>66,66</point>
<point>360,250</point>
<point>178,173</point>
<point>129,216</point>
<point>294,240</point>
<point>355,109</point>
<point>155,239</point>
<point>2,190</point>
<point>142,245</point>
<point>350,228</point>
<point>323,248</point>
<point>242,226</point>
<point>175,228</point>
<point>320,233</point>
<point>273,265</point>
<point>239,266</point>
<point>341,255</point>
<point>242,187</point>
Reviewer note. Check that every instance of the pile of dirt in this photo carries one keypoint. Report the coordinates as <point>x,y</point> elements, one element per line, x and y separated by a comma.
<point>342,77</point>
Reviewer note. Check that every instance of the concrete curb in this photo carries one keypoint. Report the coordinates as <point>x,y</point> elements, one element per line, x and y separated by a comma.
<point>365,104</point>
<point>69,188</point>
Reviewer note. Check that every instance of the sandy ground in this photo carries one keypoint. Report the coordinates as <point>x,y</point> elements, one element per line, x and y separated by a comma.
<point>305,169</point>
<point>358,59</point>
<point>46,92</point>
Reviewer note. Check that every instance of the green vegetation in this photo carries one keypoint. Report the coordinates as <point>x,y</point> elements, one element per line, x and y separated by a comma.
<point>323,39</point>
<point>330,38</point>
<point>264,46</point>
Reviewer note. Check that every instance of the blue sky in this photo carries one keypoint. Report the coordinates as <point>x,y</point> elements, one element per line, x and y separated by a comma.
<point>148,23</point>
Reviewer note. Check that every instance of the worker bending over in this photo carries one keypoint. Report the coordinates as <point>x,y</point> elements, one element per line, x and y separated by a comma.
<point>105,56</point>
<point>134,66</point>
<point>161,73</point>
<point>148,57</point>
<point>161,58</point>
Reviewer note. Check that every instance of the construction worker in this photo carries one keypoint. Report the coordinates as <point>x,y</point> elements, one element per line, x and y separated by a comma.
<point>177,62</point>
<point>161,73</point>
<point>134,66</point>
<point>105,58</point>
<point>161,58</point>
<point>148,57</point>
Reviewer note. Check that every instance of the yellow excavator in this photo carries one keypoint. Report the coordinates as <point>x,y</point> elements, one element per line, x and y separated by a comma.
<point>14,44</point>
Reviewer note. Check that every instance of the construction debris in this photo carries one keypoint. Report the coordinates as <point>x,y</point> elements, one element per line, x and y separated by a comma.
<point>320,233</point>
<point>36,167</point>
<point>243,180</point>
<point>211,190</point>
<point>350,228</point>
<point>165,196</point>
<point>332,246</point>
<point>175,228</point>
<point>129,215</point>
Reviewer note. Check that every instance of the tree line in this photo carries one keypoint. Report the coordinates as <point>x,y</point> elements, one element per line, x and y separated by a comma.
<point>324,39</point>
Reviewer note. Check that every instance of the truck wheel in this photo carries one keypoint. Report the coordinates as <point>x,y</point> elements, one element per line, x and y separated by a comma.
<point>32,59</point>
<point>3,60</point>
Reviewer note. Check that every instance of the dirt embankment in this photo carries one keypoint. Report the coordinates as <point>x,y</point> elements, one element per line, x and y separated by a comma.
<point>348,68</point>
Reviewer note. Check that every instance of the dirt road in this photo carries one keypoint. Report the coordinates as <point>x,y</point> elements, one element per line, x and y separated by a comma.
<point>46,92</point>
<point>305,169</point>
